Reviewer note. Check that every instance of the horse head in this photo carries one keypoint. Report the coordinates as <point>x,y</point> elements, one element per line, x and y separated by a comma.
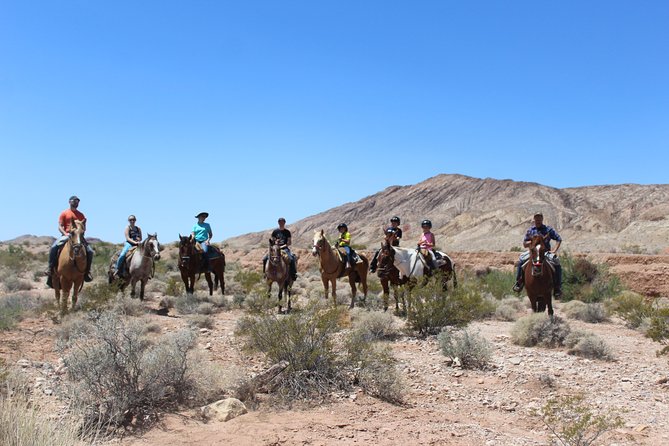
<point>386,258</point>
<point>320,242</point>
<point>76,234</point>
<point>151,247</point>
<point>186,249</point>
<point>537,254</point>
<point>275,257</point>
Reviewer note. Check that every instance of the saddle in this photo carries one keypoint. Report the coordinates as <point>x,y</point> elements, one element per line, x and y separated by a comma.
<point>212,253</point>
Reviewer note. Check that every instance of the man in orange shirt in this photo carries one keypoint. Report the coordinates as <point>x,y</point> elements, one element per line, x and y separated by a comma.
<point>64,227</point>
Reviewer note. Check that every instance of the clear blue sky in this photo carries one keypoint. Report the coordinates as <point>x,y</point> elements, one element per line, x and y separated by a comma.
<point>255,109</point>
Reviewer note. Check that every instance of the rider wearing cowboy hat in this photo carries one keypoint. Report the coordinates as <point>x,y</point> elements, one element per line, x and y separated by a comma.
<point>202,234</point>
<point>548,234</point>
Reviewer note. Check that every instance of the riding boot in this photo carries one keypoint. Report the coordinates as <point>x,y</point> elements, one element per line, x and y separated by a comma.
<point>293,270</point>
<point>372,266</point>
<point>264,266</point>
<point>520,283</point>
<point>89,261</point>
<point>53,257</point>
<point>558,282</point>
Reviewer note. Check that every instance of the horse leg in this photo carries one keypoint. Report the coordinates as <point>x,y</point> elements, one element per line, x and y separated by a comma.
<point>354,290</point>
<point>280,296</point>
<point>289,289</point>
<point>142,285</point>
<point>550,308</point>
<point>133,286</point>
<point>386,293</point>
<point>75,294</point>
<point>334,291</point>
<point>326,286</point>
<point>210,283</point>
<point>221,280</point>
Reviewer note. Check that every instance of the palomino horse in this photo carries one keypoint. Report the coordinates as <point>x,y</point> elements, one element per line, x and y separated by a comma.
<point>71,267</point>
<point>333,266</point>
<point>278,270</point>
<point>389,275</point>
<point>142,264</point>
<point>539,277</point>
<point>190,263</point>
<point>411,264</point>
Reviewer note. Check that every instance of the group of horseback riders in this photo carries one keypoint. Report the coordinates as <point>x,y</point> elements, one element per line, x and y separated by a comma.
<point>282,237</point>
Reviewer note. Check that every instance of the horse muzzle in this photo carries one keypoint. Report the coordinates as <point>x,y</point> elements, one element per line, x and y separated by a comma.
<point>156,256</point>
<point>314,251</point>
<point>537,268</point>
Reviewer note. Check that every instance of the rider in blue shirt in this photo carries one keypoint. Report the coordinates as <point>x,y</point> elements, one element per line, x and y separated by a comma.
<point>548,233</point>
<point>202,234</point>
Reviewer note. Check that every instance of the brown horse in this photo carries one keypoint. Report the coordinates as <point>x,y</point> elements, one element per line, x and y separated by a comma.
<point>390,275</point>
<point>278,270</point>
<point>71,267</point>
<point>190,264</point>
<point>539,277</point>
<point>333,266</point>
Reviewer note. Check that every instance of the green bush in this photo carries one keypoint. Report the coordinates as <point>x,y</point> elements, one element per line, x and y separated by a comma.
<point>574,423</point>
<point>13,284</point>
<point>248,279</point>
<point>497,282</point>
<point>429,309</point>
<point>15,259</point>
<point>587,345</point>
<point>539,329</point>
<point>659,328</point>
<point>174,287</point>
<point>98,295</point>
<point>473,350</point>
<point>586,281</point>
<point>201,321</point>
<point>631,307</point>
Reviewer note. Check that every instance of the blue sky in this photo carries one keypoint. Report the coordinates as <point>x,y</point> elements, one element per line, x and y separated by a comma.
<point>255,109</point>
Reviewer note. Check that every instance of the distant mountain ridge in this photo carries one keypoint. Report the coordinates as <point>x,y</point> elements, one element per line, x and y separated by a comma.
<point>473,214</point>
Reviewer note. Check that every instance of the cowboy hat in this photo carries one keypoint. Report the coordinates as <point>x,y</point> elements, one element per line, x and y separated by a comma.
<point>202,214</point>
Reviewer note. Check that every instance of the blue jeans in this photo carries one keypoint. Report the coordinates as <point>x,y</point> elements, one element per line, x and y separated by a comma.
<point>121,257</point>
<point>349,255</point>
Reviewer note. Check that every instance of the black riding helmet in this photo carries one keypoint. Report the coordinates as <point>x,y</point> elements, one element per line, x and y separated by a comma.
<point>342,225</point>
<point>427,223</point>
<point>395,219</point>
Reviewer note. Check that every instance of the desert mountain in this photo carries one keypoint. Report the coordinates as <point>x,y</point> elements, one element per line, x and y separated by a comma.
<point>473,214</point>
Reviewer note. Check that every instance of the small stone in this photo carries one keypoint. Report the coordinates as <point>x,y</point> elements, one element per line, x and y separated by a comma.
<point>207,346</point>
<point>23,363</point>
<point>481,381</point>
<point>224,410</point>
<point>458,374</point>
<point>353,397</point>
<point>204,330</point>
<point>48,391</point>
<point>515,360</point>
<point>641,427</point>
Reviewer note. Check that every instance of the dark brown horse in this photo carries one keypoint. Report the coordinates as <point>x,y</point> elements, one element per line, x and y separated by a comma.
<point>539,277</point>
<point>278,270</point>
<point>390,275</point>
<point>190,264</point>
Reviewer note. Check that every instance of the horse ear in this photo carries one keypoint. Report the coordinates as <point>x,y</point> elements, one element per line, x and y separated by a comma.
<point>180,236</point>
<point>322,231</point>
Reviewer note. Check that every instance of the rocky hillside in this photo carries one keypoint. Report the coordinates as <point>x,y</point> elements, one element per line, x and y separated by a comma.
<point>472,214</point>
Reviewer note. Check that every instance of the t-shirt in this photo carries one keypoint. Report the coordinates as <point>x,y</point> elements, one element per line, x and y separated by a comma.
<point>427,240</point>
<point>66,217</point>
<point>345,239</point>
<point>397,232</point>
<point>281,235</point>
<point>201,231</point>
<point>543,231</point>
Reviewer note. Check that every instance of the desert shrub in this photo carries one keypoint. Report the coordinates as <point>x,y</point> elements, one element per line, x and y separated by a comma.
<point>13,284</point>
<point>497,282</point>
<point>192,304</point>
<point>129,307</point>
<point>72,325</point>
<point>22,422</point>
<point>205,308</point>
<point>472,349</point>
<point>238,300</point>
<point>587,345</point>
<point>658,329</point>
<point>430,309</point>
<point>374,325</point>
<point>605,286</point>
<point>374,368</point>
<point>153,327</point>
<point>116,372</point>
<point>574,423</point>
<point>631,307</point>
<point>15,258</point>
<point>586,281</point>
<point>257,302</point>
<point>13,309</point>
<point>508,309</point>
<point>247,279</point>
<point>304,340</point>
<point>174,286</point>
<point>592,313</point>
<point>97,295</point>
<point>102,257</point>
<point>201,321</point>
<point>539,329</point>
<point>219,301</point>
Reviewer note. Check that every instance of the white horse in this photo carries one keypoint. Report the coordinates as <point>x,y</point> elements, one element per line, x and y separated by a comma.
<point>141,266</point>
<point>412,264</point>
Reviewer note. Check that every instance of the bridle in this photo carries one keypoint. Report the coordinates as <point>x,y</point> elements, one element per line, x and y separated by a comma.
<point>318,249</point>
